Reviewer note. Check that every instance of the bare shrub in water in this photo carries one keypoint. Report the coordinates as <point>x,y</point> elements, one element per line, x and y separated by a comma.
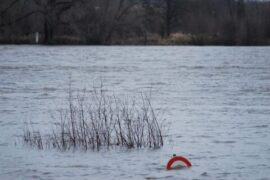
<point>94,120</point>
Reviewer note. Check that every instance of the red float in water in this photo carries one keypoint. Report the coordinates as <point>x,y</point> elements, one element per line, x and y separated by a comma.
<point>178,158</point>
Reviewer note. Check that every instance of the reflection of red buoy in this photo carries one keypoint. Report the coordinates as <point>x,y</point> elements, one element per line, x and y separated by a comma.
<point>177,159</point>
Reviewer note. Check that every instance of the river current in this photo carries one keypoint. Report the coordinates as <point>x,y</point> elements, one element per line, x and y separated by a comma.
<point>217,100</point>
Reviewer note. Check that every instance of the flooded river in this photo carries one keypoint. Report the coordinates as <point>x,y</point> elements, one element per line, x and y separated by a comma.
<point>216,98</point>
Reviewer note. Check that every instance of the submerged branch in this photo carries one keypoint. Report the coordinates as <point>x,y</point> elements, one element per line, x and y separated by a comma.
<point>97,120</point>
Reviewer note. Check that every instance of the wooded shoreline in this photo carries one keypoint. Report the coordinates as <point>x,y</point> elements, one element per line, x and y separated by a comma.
<point>152,41</point>
<point>135,22</point>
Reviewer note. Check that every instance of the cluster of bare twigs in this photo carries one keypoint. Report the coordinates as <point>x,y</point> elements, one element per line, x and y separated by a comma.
<point>94,120</point>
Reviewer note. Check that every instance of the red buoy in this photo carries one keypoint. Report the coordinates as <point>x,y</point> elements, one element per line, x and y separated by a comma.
<point>178,158</point>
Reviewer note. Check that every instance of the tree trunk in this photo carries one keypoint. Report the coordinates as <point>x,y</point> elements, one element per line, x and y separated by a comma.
<point>46,31</point>
<point>168,18</point>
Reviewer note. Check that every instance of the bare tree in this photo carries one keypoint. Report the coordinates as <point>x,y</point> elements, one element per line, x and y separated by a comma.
<point>52,11</point>
<point>100,20</point>
<point>230,22</point>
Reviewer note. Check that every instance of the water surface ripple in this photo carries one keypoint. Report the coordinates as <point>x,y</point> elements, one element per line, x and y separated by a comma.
<point>217,99</point>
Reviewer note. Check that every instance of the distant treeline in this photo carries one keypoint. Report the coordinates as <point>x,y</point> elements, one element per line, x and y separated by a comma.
<point>199,22</point>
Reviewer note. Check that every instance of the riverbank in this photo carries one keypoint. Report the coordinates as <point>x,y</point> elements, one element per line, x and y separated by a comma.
<point>152,39</point>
